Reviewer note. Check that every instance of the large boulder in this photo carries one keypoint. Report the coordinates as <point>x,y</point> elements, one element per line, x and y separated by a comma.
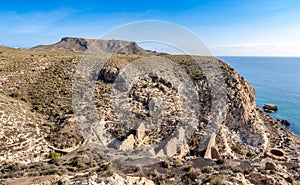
<point>285,122</point>
<point>270,166</point>
<point>270,107</point>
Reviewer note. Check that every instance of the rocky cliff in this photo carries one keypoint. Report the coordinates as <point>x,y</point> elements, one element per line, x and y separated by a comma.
<point>42,142</point>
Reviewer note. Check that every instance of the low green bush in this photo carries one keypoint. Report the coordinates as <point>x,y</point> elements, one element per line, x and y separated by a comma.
<point>55,154</point>
<point>15,95</point>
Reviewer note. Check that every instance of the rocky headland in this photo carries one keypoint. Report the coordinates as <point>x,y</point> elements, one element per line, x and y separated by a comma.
<point>42,143</point>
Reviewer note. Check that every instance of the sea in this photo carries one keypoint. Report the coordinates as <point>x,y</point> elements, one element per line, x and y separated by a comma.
<point>276,81</point>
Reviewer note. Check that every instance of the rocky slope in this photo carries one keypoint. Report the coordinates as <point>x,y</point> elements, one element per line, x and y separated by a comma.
<point>42,143</point>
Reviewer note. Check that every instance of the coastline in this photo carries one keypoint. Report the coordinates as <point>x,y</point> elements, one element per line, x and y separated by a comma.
<point>274,79</point>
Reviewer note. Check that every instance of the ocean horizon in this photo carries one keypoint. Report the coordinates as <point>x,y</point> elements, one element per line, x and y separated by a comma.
<point>276,80</point>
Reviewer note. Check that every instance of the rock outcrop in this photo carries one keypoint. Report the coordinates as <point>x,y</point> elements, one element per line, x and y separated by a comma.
<point>285,122</point>
<point>270,107</point>
<point>211,149</point>
<point>117,179</point>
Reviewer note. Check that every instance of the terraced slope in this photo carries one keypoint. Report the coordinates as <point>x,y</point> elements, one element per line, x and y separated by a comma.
<point>21,139</point>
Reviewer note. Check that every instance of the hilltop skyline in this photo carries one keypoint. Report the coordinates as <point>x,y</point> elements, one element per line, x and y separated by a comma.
<point>248,28</point>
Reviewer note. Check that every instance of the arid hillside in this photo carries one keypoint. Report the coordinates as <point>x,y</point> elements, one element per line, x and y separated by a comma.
<point>43,141</point>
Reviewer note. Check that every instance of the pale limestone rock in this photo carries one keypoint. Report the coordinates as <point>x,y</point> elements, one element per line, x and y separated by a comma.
<point>113,180</point>
<point>173,144</point>
<point>139,180</point>
<point>128,143</point>
<point>141,131</point>
<point>170,148</point>
<point>242,178</point>
<point>211,150</point>
<point>116,179</point>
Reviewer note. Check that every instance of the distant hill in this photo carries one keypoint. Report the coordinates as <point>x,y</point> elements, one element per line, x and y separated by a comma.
<point>72,44</point>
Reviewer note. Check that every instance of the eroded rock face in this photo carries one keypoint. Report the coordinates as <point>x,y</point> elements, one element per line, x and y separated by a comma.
<point>247,126</point>
<point>151,97</point>
<point>108,75</point>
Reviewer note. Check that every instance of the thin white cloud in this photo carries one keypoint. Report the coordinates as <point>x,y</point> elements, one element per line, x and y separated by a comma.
<point>257,49</point>
<point>257,45</point>
<point>28,29</point>
<point>33,22</point>
<point>40,17</point>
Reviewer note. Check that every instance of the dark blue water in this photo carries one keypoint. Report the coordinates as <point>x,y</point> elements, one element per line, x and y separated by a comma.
<point>276,80</point>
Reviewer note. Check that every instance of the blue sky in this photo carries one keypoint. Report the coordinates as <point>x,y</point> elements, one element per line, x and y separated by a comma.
<point>228,27</point>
